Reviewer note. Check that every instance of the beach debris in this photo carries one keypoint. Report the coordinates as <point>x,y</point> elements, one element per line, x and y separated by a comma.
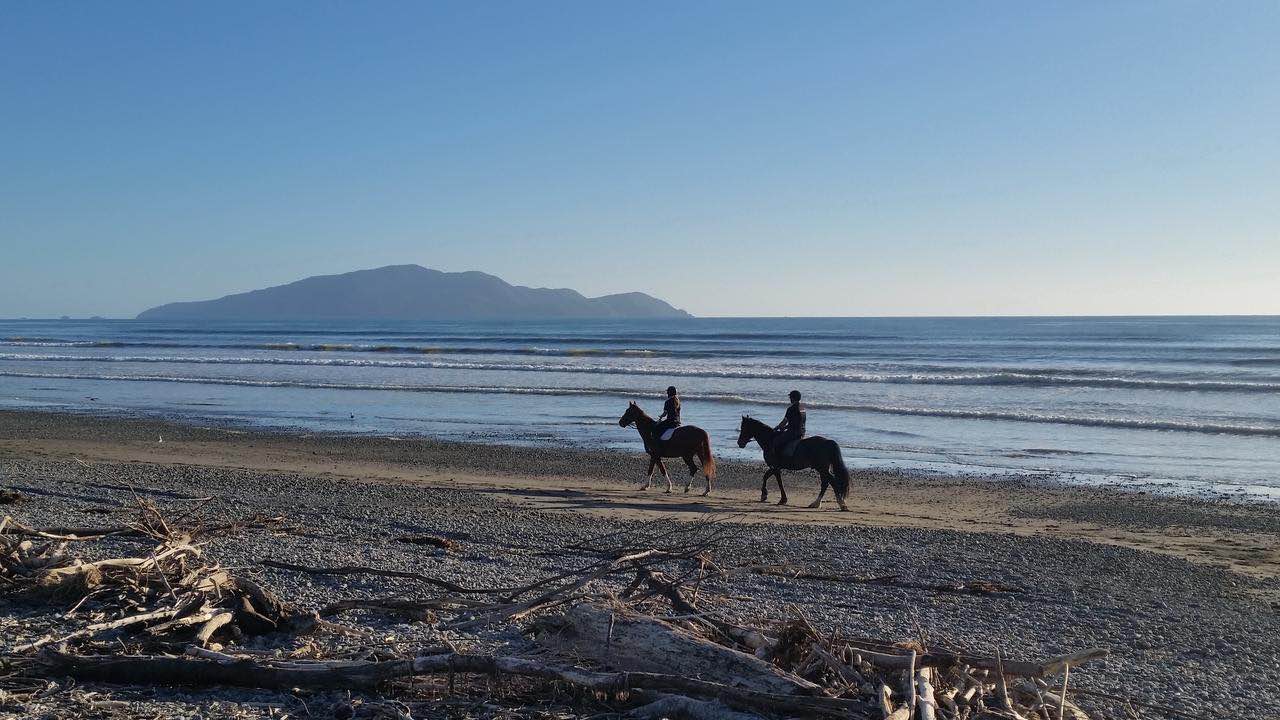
<point>970,587</point>
<point>436,541</point>
<point>616,635</point>
<point>634,628</point>
<point>9,497</point>
<point>171,591</point>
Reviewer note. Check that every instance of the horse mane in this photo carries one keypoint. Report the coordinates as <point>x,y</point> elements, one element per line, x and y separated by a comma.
<point>756,423</point>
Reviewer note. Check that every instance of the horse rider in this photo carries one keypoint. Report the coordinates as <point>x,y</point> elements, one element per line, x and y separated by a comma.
<point>792,425</point>
<point>670,417</point>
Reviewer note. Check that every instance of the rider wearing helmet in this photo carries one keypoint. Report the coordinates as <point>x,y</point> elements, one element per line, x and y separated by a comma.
<point>670,417</point>
<point>792,425</point>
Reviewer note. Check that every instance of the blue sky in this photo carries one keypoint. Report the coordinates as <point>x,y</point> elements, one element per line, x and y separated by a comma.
<point>734,158</point>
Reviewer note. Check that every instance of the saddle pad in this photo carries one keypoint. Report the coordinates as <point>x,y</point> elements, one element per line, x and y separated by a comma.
<point>667,435</point>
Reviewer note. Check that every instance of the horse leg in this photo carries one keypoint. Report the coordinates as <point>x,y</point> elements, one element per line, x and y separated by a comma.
<point>663,467</point>
<point>648,480</point>
<point>822,489</point>
<point>843,506</point>
<point>764,485</point>
<point>777,472</point>
<point>693,471</point>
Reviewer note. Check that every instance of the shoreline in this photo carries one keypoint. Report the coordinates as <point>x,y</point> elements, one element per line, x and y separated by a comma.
<point>1117,480</point>
<point>1239,536</point>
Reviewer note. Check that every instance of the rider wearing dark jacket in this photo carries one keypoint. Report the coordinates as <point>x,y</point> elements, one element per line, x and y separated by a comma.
<point>670,416</point>
<point>792,425</point>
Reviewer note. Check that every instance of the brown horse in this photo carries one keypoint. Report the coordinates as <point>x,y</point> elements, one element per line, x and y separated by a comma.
<point>686,442</point>
<point>816,453</point>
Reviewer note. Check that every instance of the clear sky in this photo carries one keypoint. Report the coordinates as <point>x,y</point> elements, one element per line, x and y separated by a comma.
<point>734,158</point>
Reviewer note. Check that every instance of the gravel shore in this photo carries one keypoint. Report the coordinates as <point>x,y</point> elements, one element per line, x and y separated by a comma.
<point>1192,636</point>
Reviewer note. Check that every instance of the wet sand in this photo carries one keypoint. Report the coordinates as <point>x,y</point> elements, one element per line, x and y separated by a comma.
<point>1240,537</point>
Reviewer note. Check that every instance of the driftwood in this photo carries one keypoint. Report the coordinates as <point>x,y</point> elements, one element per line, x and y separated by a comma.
<point>209,670</point>
<point>972,587</point>
<point>138,530</point>
<point>362,570</point>
<point>624,639</point>
<point>99,628</point>
<point>749,638</point>
<point>172,589</point>
<point>889,661</point>
<point>436,541</point>
<point>211,626</point>
<point>415,609</point>
<point>924,696</point>
<point>654,648</point>
<point>679,706</point>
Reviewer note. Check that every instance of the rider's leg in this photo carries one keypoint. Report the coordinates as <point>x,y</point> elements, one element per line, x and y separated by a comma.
<point>777,445</point>
<point>657,431</point>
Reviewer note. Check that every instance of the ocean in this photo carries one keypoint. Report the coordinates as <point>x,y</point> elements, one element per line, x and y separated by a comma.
<point>1183,404</point>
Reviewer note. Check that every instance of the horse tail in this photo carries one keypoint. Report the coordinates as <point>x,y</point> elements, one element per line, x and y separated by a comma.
<point>704,455</point>
<point>840,473</point>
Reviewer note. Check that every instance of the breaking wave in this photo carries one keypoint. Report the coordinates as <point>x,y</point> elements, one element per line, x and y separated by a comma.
<point>950,376</point>
<point>1104,422</point>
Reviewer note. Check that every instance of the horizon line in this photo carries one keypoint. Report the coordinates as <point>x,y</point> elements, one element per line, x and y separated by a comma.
<point>990,316</point>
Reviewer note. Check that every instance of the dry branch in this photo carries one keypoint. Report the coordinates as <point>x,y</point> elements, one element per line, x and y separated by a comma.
<point>972,587</point>
<point>362,570</point>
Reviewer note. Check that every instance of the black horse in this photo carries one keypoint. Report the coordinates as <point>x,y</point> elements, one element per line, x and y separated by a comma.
<point>811,453</point>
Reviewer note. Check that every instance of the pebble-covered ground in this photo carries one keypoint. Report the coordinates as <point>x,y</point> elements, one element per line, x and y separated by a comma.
<point>1204,641</point>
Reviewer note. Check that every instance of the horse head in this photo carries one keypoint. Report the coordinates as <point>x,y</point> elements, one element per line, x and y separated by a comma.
<point>630,415</point>
<point>744,431</point>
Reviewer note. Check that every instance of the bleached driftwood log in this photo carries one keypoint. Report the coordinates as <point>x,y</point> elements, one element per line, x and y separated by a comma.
<point>679,706</point>
<point>206,668</point>
<point>924,696</point>
<point>625,640</point>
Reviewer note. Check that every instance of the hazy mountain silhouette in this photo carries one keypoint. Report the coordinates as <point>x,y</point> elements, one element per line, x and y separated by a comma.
<point>412,292</point>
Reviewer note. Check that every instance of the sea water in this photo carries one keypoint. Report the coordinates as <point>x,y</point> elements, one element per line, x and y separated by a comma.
<point>1176,402</point>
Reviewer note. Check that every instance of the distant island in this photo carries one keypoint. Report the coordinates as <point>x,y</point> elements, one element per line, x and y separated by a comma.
<point>413,292</point>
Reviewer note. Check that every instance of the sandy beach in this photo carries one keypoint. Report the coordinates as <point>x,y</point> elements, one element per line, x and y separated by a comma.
<point>1186,593</point>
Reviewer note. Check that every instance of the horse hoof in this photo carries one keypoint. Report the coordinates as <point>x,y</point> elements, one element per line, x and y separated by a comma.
<point>844,508</point>
<point>706,493</point>
<point>783,501</point>
<point>814,506</point>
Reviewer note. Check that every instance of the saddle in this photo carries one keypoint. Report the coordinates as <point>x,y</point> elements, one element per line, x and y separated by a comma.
<point>658,444</point>
<point>785,456</point>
